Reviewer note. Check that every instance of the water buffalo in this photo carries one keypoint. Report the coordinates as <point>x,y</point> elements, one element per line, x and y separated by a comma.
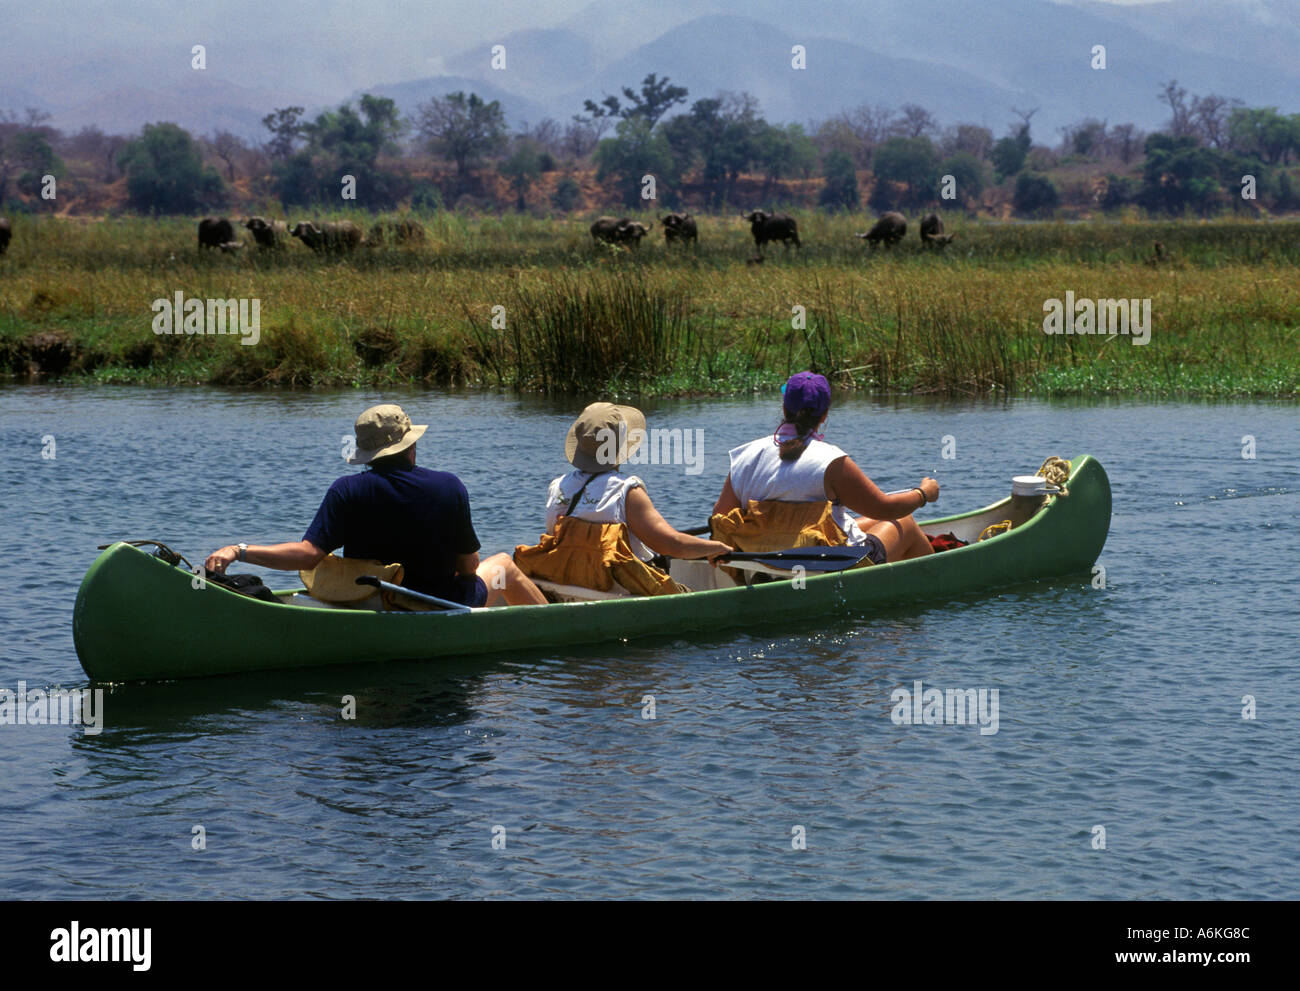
<point>268,233</point>
<point>890,229</point>
<point>214,232</point>
<point>932,235</point>
<point>679,227</point>
<point>767,226</point>
<point>395,232</point>
<point>334,236</point>
<point>620,231</point>
<point>5,234</point>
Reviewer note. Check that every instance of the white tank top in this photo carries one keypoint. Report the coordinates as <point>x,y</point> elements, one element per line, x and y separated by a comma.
<point>758,473</point>
<point>604,501</point>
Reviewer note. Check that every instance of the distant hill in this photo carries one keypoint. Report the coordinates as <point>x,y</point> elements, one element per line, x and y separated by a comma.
<point>538,63</point>
<point>1263,32</point>
<point>962,60</point>
<point>716,53</point>
<point>199,103</point>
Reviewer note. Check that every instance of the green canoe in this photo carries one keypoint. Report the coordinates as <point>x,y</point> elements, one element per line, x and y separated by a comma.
<point>138,618</point>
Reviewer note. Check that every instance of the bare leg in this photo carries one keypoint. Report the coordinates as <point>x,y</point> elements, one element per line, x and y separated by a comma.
<point>507,585</point>
<point>903,538</point>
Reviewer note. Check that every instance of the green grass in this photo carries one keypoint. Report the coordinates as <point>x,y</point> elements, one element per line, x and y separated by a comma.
<point>580,318</point>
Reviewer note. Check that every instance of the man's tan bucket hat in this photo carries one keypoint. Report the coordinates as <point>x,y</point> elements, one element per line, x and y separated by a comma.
<point>384,430</point>
<point>604,437</point>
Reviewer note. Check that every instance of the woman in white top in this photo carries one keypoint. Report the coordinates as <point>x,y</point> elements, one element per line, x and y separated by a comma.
<point>600,440</point>
<point>796,465</point>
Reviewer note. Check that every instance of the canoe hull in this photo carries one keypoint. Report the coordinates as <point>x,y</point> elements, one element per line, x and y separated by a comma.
<point>138,618</point>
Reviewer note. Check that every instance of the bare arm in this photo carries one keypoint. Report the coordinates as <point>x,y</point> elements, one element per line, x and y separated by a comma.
<point>727,501</point>
<point>848,485</point>
<point>297,556</point>
<point>466,564</point>
<point>661,537</point>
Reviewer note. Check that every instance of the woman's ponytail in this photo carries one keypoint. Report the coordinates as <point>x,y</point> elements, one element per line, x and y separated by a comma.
<point>804,424</point>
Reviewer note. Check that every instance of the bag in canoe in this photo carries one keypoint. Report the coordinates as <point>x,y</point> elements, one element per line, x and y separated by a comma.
<point>250,585</point>
<point>334,580</point>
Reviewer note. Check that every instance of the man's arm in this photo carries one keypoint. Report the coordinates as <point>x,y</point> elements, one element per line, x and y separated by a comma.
<point>301,555</point>
<point>466,564</point>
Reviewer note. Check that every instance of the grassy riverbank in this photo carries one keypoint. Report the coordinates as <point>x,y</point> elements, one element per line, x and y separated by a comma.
<point>75,302</point>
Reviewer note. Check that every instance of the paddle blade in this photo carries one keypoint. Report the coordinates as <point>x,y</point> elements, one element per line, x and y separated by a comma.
<point>819,559</point>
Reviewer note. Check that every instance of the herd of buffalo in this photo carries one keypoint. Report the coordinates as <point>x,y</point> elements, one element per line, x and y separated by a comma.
<point>765,226</point>
<point>343,235</point>
<point>332,236</point>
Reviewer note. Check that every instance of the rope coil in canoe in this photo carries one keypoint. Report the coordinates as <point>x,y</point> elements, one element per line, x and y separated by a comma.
<point>993,529</point>
<point>1057,472</point>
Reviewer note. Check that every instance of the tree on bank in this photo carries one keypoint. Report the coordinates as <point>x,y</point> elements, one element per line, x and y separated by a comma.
<point>523,168</point>
<point>1036,195</point>
<point>285,125</point>
<point>341,143</point>
<point>656,98</point>
<point>1179,175</point>
<point>840,191</point>
<point>26,155</point>
<point>635,151</point>
<point>165,173</point>
<point>463,129</point>
<point>911,163</point>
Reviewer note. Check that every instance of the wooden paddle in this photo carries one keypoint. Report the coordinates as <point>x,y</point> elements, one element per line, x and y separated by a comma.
<point>433,600</point>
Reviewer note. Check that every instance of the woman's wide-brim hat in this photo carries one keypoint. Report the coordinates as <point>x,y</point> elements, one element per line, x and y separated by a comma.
<point>384,430</point>
<point>604,437</point>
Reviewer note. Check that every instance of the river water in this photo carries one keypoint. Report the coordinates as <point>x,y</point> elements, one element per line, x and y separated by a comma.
<point>1119,707</point>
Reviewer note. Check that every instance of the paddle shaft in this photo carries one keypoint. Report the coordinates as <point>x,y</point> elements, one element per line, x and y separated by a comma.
<point>840,555</point>
<point>418,596</point>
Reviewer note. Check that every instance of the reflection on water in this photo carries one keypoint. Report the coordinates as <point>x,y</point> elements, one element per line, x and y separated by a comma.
<point>1119,706</point>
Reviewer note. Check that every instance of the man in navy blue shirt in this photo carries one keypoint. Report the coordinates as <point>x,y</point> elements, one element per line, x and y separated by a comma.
<point>398,512</point>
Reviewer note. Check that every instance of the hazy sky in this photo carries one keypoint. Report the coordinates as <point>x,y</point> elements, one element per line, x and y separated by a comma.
<point>68,52</point>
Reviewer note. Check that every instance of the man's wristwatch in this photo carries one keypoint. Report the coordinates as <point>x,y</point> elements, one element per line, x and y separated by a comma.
<point>925,499</point>
<point>243,549</point>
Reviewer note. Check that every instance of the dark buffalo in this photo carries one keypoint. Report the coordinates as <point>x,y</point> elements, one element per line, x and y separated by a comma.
<point>680,227</point>
<point>268,233</point>
<point>214,232</point>
<point>932,235</point>
<point>6,232</point>
<point>335,236</point>
<point>767,226</point>
<point>889,229</point>
<point>620,231</point>
<point>395,232</point>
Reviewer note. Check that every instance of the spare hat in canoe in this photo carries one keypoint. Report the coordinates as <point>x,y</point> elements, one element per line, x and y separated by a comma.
<point>383,430</point>
<point>604,437</point>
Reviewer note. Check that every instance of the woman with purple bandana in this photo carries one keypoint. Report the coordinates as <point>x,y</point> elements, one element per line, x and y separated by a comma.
<point>797,465</point>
